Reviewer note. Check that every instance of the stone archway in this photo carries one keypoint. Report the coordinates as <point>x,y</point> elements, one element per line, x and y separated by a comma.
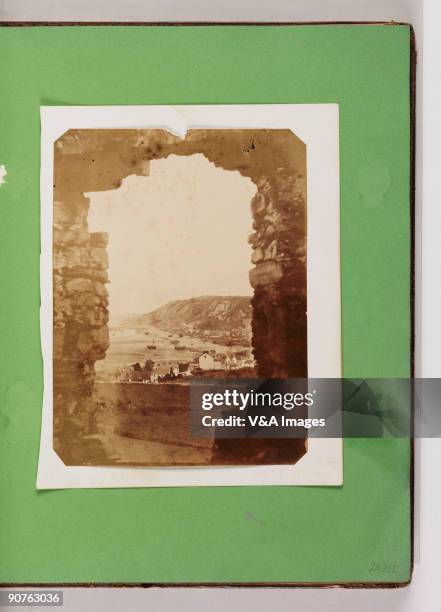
<point>98,160</point>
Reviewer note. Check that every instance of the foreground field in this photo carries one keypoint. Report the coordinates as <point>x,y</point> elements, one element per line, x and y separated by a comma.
<point>148,424</point>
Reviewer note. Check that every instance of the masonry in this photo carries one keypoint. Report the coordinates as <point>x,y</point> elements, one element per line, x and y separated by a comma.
<point>99,160</point>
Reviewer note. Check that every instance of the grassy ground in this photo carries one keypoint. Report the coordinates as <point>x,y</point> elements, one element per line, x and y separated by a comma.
<point>148,425</point>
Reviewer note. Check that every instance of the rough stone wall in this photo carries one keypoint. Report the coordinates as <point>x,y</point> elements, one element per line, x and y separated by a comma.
<point>98,160</point>
<point>80,295</point>
<point>279,276</point>
<point>81,304</point>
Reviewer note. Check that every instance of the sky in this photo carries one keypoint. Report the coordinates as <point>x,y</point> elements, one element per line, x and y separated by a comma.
<point>180,232</point>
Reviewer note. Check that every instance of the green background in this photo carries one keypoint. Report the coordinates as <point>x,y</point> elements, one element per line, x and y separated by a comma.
<point>354,533</point>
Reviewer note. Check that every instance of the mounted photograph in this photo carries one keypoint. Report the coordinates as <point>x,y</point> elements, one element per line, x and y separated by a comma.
<point>178,256</point>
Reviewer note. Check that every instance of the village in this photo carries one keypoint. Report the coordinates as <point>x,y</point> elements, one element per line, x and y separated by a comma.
<point>152,372</point>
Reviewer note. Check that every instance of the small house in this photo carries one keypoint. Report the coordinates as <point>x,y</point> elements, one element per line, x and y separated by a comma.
<point>206,361</point>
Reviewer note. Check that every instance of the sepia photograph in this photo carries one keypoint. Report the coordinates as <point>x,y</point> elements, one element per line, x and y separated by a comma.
<point>182,256</point>
<point>191,266</point>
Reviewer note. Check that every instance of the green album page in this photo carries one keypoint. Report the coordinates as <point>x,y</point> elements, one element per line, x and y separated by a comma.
<point>359,532</point>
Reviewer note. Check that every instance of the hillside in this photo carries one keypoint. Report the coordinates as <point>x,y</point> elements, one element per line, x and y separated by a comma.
<point>218,314</point>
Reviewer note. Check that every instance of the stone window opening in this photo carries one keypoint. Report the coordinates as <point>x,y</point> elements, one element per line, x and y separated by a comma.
<point>99,160</point>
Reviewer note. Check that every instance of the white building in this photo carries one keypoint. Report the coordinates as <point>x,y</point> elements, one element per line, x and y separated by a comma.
<point>206,361</point>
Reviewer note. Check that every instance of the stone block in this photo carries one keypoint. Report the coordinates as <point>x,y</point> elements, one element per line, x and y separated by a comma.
<point>257,255</point>
<point>79,285</point>
<point>91,274</point>
<point>92,344</point>
<point>271,251</point>
<point>70,257</point>
<point>99,239</point>
<point>265,274</point>
<point>98,258</point>
<point>100,289</point>
<point>69,215</point>
<point>71,236</point>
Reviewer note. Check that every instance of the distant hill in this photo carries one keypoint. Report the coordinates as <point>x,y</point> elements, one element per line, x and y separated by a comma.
<point>207,313</point>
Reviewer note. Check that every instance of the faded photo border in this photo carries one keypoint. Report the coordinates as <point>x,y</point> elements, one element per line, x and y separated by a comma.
<point>317,125</point>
